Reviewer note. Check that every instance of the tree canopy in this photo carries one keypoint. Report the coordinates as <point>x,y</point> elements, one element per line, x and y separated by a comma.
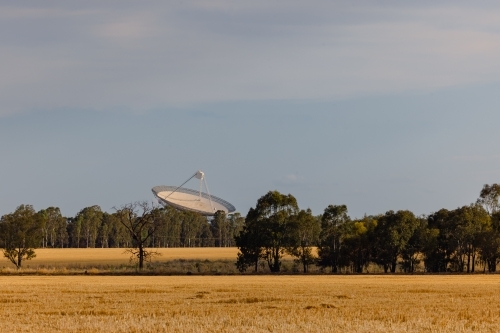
<point>21,234</point>
<point>448,240</point>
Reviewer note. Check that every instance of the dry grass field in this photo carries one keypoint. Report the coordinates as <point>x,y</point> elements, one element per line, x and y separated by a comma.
<point>116,261</point>
<point>87,257</point>
<point>250,303</point>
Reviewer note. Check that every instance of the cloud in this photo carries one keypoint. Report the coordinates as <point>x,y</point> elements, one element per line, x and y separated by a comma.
<point>160,55</point>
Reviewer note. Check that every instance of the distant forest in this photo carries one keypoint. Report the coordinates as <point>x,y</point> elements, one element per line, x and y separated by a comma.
<point>92,228</point>
<point>444,241</point>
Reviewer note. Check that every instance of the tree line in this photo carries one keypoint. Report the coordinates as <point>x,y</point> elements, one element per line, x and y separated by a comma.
<point>26,229</point>
<point>445,241</point>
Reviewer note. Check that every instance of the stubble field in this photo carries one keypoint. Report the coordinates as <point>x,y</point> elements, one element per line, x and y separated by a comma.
<point>116,261</point>
<point>117,256</point>
<point>250,303</point>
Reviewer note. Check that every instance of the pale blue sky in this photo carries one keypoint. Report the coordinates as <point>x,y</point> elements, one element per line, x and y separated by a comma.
<point>376,105</point>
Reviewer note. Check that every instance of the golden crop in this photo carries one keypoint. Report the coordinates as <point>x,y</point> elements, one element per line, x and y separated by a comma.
<point>115,256</point>
<point>250,303</point>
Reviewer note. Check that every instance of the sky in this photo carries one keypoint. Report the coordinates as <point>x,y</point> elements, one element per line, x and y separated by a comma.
<point>379,105</point>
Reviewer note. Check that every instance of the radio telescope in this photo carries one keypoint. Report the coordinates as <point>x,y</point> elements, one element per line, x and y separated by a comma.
<point>192,200</point>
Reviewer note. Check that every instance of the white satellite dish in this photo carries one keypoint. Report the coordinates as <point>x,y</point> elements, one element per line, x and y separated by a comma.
<point>191,200</point>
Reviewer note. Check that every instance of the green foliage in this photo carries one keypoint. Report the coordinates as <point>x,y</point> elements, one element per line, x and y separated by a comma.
<point>334,225</point>
<point>469,223</point>
<point>168,231</point>
<point>446,240</point>
<point>410,254</point>
<point>88,222</point>
<point>236,222</point>
<point>220,228</point>
<point>249,245</point>
<point>305,236</point>
<point>358,243</point>
<point>269,230</point>
<point>393,233</point>
<point>54,228</point>
<point>21,233</point>
<point>489,243</point>
<point>454,238</point>
<point>195,230</point>
<point>440,244</point>
<point>488,198</point>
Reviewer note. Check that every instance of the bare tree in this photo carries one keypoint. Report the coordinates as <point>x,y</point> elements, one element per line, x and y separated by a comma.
<point>140,220</point>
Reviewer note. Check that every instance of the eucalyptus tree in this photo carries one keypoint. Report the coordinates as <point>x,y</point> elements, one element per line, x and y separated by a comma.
<point>172,228</point>
<point>21,234</point>
<point>205,238</point>
<point>393,233</point>
<point>89,220</point>
<point>119,236</point>
<point>358,243</point>
<point>333,231</point>
<point>63,232</point>
<point>159,236</point>
<point>106,228</point>
<point>306,236</point>
<point>441,244</point>
<point>489,244</point>
<point>42,216</point>
<point>75,231</point>
<point>250,247</point>
<point>236,222</point>
<point>269,230</point>
<point>488,198</point>
<point>220,228</point>
<point>193,227</point>
<point>54,227</point>
<point>470,222</point>
<point>411,253</point>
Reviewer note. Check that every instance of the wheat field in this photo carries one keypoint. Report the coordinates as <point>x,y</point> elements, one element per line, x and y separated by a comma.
<point>115,256</point>
<point>208,260</point>
<point>250,303</point>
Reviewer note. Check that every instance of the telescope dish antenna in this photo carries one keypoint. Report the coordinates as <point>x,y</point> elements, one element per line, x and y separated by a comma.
<point>190,200</point>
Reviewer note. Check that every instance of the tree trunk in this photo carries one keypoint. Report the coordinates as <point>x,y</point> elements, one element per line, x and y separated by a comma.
<point>19,258</point>
<point>141,257</point>
<point>358,262</point>
<point>468,261</point>
<point>393,265</point>
<point>276,260</point>
<point>490,263</point>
